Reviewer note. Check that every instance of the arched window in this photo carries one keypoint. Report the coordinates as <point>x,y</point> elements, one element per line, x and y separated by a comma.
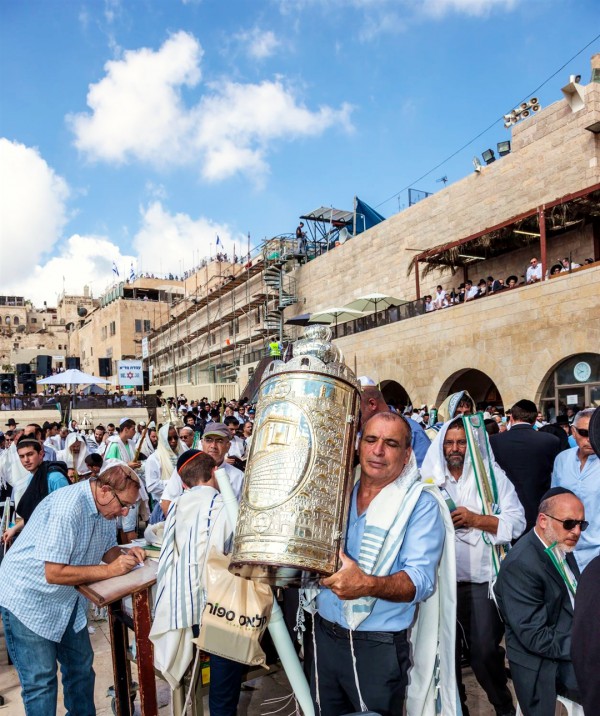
<point>573,383</point>
<point>16,320</point>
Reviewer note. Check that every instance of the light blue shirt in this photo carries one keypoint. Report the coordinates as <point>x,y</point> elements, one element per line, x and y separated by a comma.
<point>418,556</point>
<point>419,441</point>
<point>586,485</point>
<point>49,453</point>
<point>66,528</point>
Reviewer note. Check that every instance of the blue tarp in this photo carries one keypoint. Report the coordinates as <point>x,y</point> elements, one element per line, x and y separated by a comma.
<point>366,216</point>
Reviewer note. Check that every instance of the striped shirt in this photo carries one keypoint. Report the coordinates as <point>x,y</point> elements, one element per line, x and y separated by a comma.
<point>66,528</point>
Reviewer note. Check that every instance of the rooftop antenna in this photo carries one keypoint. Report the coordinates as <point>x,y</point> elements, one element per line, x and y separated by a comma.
<point>443,179</point>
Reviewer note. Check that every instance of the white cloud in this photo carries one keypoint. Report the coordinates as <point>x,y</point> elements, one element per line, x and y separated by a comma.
<point>236,123</point>
<point>138,113</point>
<point>170,243</point>
<point>475,8</point>
<point>395,16</point>
<point>258,43</point>
<point>32,210</point>
<point>80,261</point>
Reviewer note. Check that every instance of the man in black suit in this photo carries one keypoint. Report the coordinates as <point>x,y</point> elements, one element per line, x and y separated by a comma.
<point>526,456</point>
<point>535,591</point>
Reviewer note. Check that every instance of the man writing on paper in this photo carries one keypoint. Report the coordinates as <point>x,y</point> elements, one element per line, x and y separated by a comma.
<point>61,546</point>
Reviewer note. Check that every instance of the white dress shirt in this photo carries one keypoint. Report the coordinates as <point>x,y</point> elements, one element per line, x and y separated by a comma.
<point>473,552</point>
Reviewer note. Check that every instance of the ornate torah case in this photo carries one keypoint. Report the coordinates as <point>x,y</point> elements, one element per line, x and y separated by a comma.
<point>299,476</point>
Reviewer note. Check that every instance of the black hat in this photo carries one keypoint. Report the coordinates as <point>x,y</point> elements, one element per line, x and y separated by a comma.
<point>186,457</point>
<point>11,421</point>
<point>512,278</point>
<point>594,429</point>
<point>554,491</point>
<point>562,420</point>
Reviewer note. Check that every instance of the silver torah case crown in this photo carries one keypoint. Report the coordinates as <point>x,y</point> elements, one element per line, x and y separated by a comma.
<point>298,480</point>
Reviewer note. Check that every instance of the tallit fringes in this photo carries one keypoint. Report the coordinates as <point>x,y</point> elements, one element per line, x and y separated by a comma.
<point>317,692</point>
<point>362,704</point>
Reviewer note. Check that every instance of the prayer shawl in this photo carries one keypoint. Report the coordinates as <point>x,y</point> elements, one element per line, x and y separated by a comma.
<point>447,411</point>
<point>432,679</point>
<point>14,473</point>
<point>116,448</point>
<point>166,456</point>
<point>147,448</point>
<point>196,521</point>
<point>67,456</point>
<point>478,475</point>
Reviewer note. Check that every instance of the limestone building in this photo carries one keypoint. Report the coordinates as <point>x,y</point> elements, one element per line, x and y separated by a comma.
<point>123,316</point>
<point>540,341</point>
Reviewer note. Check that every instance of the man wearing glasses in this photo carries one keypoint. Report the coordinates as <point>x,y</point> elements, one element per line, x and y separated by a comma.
<point>216,442</point>
<point>535,591</point>
<point>578,470</point>
<point>63,544</point>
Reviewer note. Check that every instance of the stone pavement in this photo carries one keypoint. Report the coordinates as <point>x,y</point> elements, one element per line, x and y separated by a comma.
<point>253,696</point>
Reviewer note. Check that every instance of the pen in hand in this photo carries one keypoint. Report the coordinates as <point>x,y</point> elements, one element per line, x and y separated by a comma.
<point>128,551</point>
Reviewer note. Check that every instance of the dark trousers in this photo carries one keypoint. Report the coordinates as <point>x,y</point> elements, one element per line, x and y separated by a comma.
<point>225,684</point>
<point>480,627</point>
<point>382,663</point>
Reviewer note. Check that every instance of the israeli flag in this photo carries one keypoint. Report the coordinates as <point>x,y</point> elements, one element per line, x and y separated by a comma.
<point>131,273</point>
<point>115,269</point>
<point>219,242</point>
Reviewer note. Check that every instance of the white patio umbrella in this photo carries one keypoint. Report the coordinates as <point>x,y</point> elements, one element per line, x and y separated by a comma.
<point>335,313</point>
<point>374,302</point>
<point>73,377</point>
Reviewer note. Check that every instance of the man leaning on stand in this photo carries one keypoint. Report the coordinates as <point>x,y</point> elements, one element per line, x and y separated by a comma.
<point>44,617</point>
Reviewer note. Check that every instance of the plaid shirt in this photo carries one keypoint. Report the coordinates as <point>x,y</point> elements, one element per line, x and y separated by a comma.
<point>66,528</point>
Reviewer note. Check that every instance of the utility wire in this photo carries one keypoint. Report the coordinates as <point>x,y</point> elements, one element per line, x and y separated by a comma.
<point>487,129</point>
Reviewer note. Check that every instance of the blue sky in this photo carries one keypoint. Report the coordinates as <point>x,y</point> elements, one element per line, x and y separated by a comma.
<point>136,131</point>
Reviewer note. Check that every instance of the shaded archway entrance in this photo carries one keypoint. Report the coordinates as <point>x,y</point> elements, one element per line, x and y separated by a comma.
<point>394,394</point>
<point>480,387</point>
<point>573,383</point>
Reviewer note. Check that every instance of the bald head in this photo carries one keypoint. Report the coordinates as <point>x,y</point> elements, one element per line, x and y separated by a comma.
<point>371,403</point>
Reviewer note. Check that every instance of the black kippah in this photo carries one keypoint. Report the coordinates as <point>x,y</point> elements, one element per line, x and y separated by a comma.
<point>186,457</point>
<point>554,491</point>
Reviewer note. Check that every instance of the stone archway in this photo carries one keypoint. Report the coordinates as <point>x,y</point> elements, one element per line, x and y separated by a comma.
<point>395,394</point>
<point>479,385</point>
<point>571,384</point>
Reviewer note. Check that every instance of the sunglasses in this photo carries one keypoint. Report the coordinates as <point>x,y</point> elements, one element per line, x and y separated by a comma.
<point>584,433</point>
<point>570,524</point>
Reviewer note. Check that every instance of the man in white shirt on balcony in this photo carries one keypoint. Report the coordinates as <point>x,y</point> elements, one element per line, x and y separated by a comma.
<point>534,271</point>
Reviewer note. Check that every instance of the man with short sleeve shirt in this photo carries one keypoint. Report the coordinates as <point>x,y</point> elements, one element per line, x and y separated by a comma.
<point>578,470</point>
<point>44,617</point>
<point>362,654</point>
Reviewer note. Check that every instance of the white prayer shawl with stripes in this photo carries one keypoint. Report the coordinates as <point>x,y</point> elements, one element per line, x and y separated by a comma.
<point>432,680</point>
<point>196,521</point>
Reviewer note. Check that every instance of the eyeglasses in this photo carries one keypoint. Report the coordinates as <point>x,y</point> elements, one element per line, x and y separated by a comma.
<point>124,506</point>
<point>584,433</point>
<point>570,524</point>
<point>210,440</point>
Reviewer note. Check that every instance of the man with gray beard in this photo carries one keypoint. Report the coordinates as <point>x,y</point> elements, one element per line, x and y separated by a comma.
<point>535,591</point>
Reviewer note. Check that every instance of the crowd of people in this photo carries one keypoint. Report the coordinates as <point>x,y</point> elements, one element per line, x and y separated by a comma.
<point>470,534</point>
<point>468,291</point>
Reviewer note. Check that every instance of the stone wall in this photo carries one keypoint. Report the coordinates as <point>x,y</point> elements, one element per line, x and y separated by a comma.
<point>516,338</point>
<point>553,156</point>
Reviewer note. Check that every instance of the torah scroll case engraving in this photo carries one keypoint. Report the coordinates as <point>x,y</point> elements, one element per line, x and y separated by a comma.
<point>299,476</point>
